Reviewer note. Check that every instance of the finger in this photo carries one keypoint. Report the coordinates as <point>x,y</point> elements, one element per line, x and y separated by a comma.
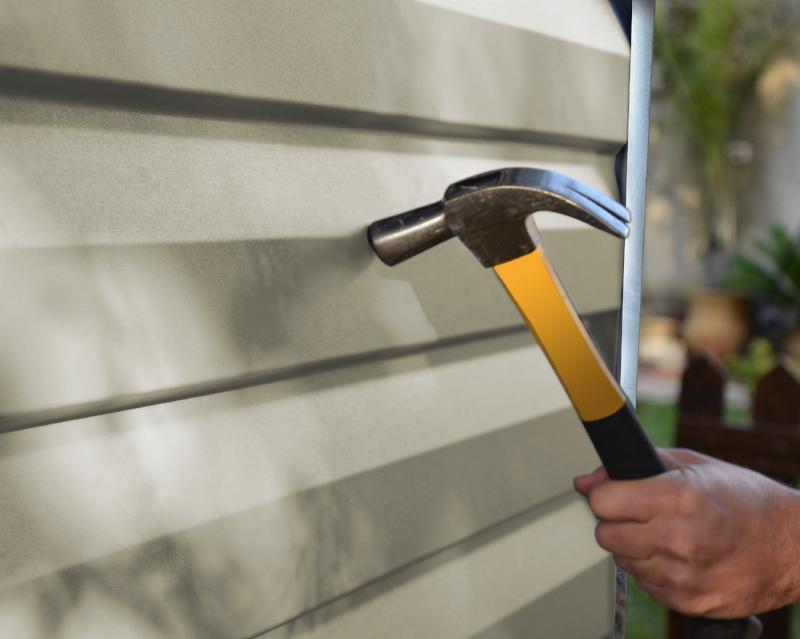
<point>584,483</point>
<point>648,586</point>
<point>630,540</point>
<point>658,592</point>
<point>655,570</point>
<point>633,500</point>
<point>672,577</point>
<point>687,602</point>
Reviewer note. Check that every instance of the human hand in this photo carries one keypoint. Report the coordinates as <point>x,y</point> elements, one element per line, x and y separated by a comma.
<point>705,538</point>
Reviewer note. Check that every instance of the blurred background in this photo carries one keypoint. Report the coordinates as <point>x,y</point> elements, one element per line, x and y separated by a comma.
<point>720,349</point>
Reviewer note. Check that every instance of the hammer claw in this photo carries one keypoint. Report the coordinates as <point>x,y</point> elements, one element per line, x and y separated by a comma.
<point>601,199</point>
<point>537,179</point>
<point>598,216</point>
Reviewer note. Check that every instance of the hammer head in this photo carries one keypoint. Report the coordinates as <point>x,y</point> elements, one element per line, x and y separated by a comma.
<point>491,214</point>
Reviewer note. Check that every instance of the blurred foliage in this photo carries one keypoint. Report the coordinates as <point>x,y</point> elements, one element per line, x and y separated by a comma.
<point>750,366</point>
<point>773,273</point>
<point>712,53</point>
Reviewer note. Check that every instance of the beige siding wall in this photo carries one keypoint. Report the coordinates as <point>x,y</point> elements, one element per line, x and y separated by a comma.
<point>220,415</point>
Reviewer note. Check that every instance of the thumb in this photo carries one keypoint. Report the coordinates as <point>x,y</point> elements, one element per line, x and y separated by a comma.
<point>585,483</point>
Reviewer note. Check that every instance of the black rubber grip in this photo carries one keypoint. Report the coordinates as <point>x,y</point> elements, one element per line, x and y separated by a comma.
<point>623,446</point>
<point>699,628</point>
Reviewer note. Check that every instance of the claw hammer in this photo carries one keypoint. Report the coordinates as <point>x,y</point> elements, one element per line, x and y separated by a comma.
<point>491,214</point>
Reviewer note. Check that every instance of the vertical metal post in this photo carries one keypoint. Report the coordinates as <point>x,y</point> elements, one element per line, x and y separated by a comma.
<point>643,14</point>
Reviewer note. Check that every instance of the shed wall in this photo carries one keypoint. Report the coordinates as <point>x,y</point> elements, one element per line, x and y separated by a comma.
<point>221,416</point>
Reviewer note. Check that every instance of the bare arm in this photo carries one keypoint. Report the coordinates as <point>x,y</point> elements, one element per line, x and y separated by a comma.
<point>706,538</point>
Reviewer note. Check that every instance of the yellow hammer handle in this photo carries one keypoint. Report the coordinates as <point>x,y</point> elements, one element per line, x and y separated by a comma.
<point>551,317</point>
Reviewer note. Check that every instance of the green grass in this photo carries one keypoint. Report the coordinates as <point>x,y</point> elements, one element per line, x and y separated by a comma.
<point>659,422</point>
<point>645,619</point>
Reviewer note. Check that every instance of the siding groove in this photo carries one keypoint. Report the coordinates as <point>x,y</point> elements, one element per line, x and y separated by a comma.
<point>602,324</point>
<point>474,539</point>
<point>145,98</point>
<point>34,419</point>
<point>415,602</point>
<point>462,69</point>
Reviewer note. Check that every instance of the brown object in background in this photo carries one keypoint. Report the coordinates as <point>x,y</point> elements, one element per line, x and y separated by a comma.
<point>716,323</point>
<point>702,396</point>
<point>776,400</point>
<point>791,345</point>
<point>771,445</point>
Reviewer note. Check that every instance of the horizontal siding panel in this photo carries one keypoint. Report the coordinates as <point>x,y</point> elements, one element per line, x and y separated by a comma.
<point>473,586</point>
<point>394,57</point>
<point>142,253</point>
<point>76,175</point>
<point>166,590</point>
<point>259,504</point>
<point>578,609</point>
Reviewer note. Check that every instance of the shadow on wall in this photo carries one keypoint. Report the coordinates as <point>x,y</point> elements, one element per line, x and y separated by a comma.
<point>102,323</point>
<point>81,490</point>
<point>238,574</point>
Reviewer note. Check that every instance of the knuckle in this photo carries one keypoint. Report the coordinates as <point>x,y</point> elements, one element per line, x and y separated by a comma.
<point>671,490</point>
<point>709,603</point>
<point>683,544</point>
<point>672,541</point>
<point>697,605</point>
<point>688,607</point>
<point>604,535</point>
<point>597,502</point>
<point>681,578</point>
<point>687,501</point>
<point>701,548</point>
<point>690,543</point>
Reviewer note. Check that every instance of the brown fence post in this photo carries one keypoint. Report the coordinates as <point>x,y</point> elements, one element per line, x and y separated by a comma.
<point>776,405</point>
<point>776,401</point>
<point>702,388</point>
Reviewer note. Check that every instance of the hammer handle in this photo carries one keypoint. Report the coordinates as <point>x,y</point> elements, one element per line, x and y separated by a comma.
<point>623,446</point>
<point>610,421</point>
